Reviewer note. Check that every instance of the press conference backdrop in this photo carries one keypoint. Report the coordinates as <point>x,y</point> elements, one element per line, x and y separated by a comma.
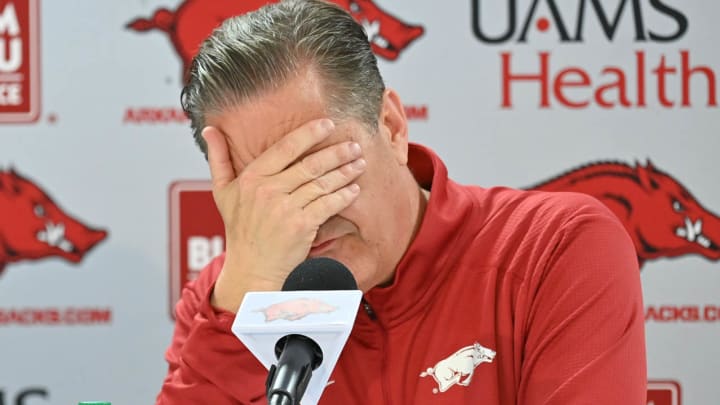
<point>104,203</point>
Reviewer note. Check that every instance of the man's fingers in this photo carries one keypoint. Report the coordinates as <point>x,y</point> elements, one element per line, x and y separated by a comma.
<point>221,168</point>
<point>328,183</point>
<point>329,205</point>
<point>293,145</point>
<point>317,164</point>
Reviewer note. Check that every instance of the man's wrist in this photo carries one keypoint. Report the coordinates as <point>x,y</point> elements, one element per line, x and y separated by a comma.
<point>229,292</point>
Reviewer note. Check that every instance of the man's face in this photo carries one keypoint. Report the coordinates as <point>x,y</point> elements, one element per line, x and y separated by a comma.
<point>371,235</point>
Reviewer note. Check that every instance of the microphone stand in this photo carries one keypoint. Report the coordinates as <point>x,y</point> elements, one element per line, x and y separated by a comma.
<point>286,382</point>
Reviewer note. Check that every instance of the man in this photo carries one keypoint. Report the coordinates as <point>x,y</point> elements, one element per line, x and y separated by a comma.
<point>474,296</point>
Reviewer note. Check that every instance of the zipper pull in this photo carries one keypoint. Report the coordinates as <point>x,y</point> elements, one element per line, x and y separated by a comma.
<point>369,310</point>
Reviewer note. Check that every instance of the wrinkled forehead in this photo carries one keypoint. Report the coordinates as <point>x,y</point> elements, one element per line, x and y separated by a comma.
<point>261,125</point>
<point>253,126</point>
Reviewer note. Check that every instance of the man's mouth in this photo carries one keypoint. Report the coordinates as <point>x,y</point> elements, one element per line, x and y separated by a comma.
<point>321,246</point>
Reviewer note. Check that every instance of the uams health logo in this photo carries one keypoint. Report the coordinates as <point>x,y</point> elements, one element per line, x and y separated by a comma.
<point>33,226</point>
<point>650,79</point>
<point>19,61</point>
<point>574,31</point>
<point>193,21</point>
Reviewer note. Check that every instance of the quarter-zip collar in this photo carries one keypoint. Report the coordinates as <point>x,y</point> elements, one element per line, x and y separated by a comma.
<point>422,269</point>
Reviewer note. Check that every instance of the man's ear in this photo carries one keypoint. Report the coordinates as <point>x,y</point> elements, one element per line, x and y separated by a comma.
<point>393,124</point>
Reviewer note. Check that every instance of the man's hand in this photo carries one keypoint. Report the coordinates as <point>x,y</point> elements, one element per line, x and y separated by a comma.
<point>272,210</point>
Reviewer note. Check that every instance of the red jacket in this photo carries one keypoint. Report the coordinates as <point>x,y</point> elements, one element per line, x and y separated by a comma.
<point>504,297</point>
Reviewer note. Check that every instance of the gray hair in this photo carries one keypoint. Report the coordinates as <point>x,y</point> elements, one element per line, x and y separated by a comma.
<point>259,51</point>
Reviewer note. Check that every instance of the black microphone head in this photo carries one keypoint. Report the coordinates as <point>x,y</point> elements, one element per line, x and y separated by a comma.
<point>319,274</point>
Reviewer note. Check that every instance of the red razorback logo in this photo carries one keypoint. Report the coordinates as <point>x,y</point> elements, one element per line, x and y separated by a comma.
<point>194,20</point>
<point>33,227</point>
<point>659,213</point>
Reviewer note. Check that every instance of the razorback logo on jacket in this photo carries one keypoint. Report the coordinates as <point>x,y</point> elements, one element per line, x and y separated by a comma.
<point>663,218</point>
<point>459,367</point>
<point>194,20</point>
<point>33,226</point>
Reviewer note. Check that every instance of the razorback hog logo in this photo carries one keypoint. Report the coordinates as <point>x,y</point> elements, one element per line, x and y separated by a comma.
<point>194,20</point>
<point>659,213</point>
<point>459,367</point>
<point>33,227</point>
<point>295,309</point>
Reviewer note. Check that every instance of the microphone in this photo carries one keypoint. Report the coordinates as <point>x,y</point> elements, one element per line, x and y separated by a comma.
<point>299,355</point>
<point>320,274</point>
<point>303,327</point>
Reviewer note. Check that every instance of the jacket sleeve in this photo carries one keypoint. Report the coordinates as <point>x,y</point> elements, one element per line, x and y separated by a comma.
<point>207,363</point>
<point>585,333</point>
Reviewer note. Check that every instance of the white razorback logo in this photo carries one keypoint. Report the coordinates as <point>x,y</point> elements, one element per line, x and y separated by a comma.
<point>459,367</point>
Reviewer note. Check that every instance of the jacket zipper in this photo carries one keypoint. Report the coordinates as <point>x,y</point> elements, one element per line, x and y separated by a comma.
<point>383,367</point>
<point>369,310</point>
